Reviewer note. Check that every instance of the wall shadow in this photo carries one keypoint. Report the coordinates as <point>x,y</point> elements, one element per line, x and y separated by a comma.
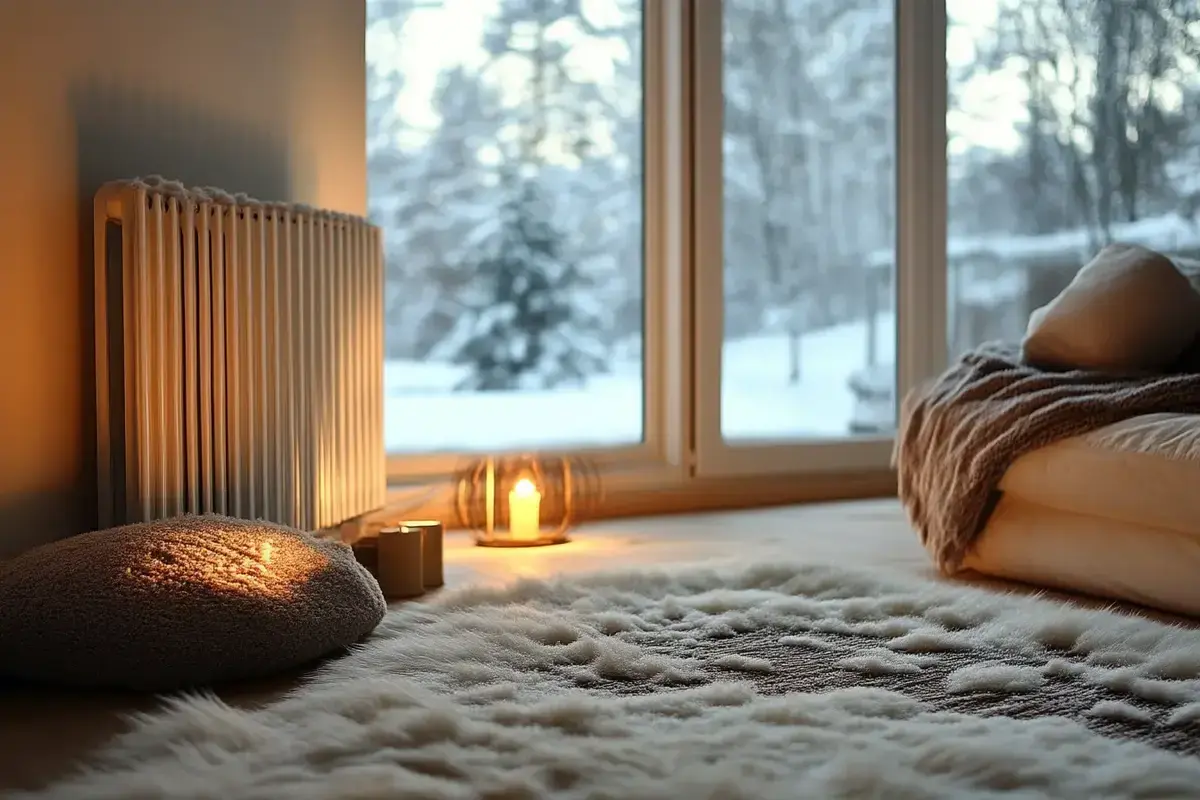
<point>122,134</point>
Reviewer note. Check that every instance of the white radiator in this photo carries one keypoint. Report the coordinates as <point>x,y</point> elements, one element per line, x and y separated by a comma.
<point>239,358</point>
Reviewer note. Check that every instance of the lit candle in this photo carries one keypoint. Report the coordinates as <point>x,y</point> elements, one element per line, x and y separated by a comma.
<point>524,511</point>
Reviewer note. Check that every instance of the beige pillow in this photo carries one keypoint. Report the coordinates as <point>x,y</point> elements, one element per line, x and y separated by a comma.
<point>1128,310</point>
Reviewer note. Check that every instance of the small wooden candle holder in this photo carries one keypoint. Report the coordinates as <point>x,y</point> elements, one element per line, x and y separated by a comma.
<point>401,562</point>
<point>432,545</point>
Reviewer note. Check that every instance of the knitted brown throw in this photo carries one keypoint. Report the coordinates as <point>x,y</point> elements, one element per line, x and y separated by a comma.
<point>961,432</point>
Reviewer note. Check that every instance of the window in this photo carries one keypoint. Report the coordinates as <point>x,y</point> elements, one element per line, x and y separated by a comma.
<point>505,152</point>
<point>797,275</point>
<point>821,129</point>
<point>690,238</point>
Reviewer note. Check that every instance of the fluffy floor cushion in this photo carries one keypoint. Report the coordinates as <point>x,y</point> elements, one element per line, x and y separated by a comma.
<point>766,682</point>
<point>183,602</point>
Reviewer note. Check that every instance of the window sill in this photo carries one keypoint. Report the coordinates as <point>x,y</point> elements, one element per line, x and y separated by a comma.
<point>653,496</point>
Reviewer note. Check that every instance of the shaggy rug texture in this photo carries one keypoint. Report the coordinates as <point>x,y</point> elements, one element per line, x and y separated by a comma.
<point>767,681</point>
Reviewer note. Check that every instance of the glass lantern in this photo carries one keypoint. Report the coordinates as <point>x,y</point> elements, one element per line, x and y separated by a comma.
<point>525,501</point>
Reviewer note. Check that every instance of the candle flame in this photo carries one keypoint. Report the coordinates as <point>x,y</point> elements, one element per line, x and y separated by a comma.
<point>524,488</point>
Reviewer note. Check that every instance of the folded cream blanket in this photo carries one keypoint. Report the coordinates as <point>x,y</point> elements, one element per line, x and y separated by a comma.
<point>961,432</point>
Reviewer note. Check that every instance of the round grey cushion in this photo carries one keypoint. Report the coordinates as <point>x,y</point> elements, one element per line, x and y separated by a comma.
<point>180,603</point>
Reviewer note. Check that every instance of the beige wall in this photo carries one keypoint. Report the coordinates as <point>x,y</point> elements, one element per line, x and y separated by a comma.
<point>261,96</point>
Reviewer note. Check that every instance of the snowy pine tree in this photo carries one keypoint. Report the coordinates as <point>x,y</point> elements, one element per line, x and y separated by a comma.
<point>532,316</point>
<point>529,325</point>
<point>451,206</point>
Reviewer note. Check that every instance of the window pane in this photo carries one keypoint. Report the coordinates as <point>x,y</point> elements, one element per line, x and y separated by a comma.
<point>1072,124</point>
<point>809,218</point>
<point>505,167</point>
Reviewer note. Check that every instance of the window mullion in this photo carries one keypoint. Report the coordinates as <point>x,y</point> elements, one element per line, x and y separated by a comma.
<point>921,96</point>
<point>667,203</point>
<point>707,240</point>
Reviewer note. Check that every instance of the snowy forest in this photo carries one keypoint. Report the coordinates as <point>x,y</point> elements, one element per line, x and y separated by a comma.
<point>504,154</point>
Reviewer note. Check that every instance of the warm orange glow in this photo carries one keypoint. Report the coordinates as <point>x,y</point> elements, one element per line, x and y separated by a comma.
<point>524,488</point>
<point>264,564</point>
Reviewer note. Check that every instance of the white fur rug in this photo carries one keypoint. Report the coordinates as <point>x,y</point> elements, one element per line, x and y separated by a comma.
<point>769,681</point>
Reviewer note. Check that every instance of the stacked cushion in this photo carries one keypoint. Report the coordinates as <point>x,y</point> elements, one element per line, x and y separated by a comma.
<point>1143,471</point>
<point>1116,512</point>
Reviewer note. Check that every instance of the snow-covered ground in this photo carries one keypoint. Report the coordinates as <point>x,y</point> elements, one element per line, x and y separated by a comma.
<point>1169,233</point>
<point>424,414</point>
